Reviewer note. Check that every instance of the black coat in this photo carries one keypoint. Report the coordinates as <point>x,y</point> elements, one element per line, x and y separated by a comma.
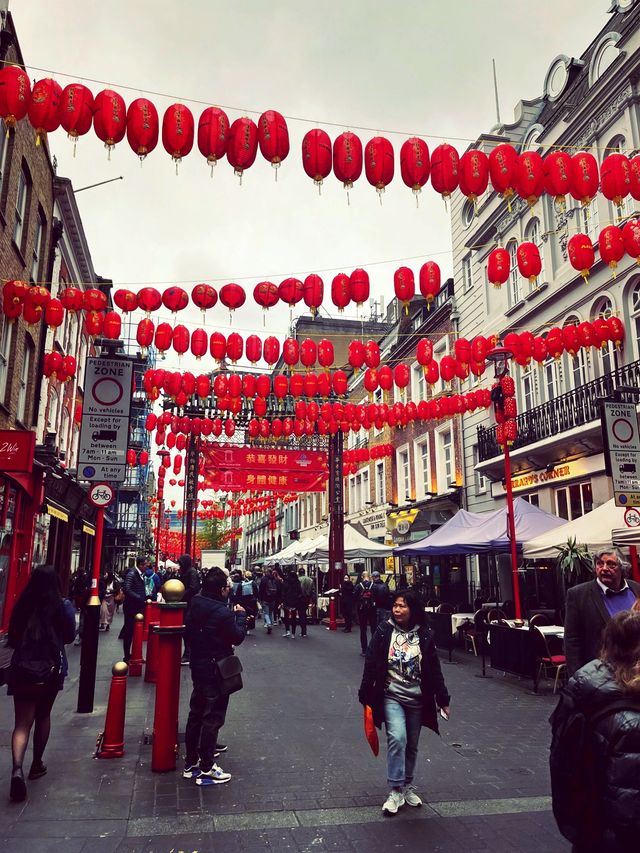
<point>586,617</point>
<point>291,591</point>
<point>135,598</point>
<point>191,582</point>
<point>374,677</point>
<point>212,630</point>
<point>603,778</point>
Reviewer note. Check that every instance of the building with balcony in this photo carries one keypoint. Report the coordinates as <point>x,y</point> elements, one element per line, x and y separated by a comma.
<point>590,103</point>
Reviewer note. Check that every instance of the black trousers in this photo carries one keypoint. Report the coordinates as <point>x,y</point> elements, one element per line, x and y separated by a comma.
<point>207,712</point>
<point>346,608</point>
<point>290,619</point>
<point>126,635</point>
<point>368,618</point>
<point>302,618</point>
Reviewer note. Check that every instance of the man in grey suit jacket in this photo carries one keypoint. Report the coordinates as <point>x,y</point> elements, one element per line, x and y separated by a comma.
<point>590,605</point>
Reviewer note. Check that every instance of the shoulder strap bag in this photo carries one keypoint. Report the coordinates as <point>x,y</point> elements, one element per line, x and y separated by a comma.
<point>229,672</point>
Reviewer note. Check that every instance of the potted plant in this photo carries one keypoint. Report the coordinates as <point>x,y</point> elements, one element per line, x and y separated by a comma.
<point>574,564</point>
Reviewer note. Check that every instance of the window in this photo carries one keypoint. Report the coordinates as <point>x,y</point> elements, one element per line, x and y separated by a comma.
<point>440,349</point>
<point>618,145</point>
<point>515,279</point>
<point>19,229</point>
<point>468,213</point>
<point>359,495</point>
<point>574,501</point>
<point>533,499</point>
<point>579,366</point>
<point>604,57</point>
<point>467,275</point>
<point>481,480</point>
<point>4,145</point>
<point>404,475</point>
<point>38,247</point>
<point>22,411</point>
<point>606,357</point>
<point>6,339</point>
<point>635,308</point>
<point>588,219</point>
<point>529,387</point>
<point>419,389</point>
<point>445,460</point>
<point>422,467</point>
<point>533,235</point>
<point>552,378</point>
<point>381,496</point>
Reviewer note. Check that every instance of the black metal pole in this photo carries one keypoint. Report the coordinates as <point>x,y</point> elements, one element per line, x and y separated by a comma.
<point>191,490</point>
<point>336,510</point>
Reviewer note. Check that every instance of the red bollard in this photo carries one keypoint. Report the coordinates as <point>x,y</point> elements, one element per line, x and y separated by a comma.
<point>111,741</point>
<point>165,719</point>
<point>333,621</point>
<point>151,664</point>
<point>136,660</point>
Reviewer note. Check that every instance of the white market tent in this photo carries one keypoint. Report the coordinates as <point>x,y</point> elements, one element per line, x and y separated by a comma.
<point>593,530</point>
<point>316,549</point>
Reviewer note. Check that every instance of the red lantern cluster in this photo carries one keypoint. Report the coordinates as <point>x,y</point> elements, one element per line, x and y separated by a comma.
<point>58,366</point>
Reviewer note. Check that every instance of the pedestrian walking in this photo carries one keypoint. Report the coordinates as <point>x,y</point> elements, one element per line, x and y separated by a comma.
<point>247,597</point>
<point>191,582</point>
<point>366,609</point>
<point>595,751</point>
<point>135,601</point>
<point>268,592</point>
<point>291,596</point>
<point>41,624</point>
<point>381,597</point>
<point>402,683</point>
<point>107,602</point>
<point>213,629</point>
<point>306,596</point>
<point>347,598</point>
<point>152,583</point>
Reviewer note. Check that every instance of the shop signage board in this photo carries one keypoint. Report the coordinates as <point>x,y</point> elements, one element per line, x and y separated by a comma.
<point>104,434</point>
<point>17,449</point>
<point>226,457</point>
<point>620,421</point>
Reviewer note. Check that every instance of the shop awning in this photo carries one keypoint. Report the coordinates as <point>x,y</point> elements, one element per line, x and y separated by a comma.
<point>593,530</point>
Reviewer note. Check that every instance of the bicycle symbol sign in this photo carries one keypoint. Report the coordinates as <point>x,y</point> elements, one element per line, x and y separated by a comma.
<point>101,494</point>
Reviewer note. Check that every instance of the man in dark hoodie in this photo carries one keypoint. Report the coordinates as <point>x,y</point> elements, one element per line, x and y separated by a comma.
<point>213,630</point>
<point>189,577</point>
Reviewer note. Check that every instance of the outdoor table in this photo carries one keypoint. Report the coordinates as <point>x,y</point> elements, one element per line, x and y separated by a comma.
<point>547,630</point>
<point>458,620</point>
<point>512,650</point>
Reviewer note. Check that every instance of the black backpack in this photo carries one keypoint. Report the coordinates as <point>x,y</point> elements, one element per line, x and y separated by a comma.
<point>38,657</point>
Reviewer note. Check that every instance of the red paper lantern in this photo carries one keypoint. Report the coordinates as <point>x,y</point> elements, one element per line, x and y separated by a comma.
<point>273,137</point>
<point>54,313</point>
<point>163,336</point>
<point>444,169</point>
<point>385,377</point>
<point>325,353</point>
<point>213,134</point>
<point>112,325</point>
<point>296,385</point>
<point>611,244</point>
<point>249,385</point>
<point>143,127</point>
<point>529,261</point>
<point>44,107</point>
<point>266,295</point>
<point>503,170</point>
<point>271,350</point>
<point>263,386</point>
<point>203,385</point>
<point>372,354</point>
<point>131,458</point>
<point>405,286</point>
<point>429,280</point>
<point>175,299</point>
<point>217,345</point>
<point>530,177</point>
<point>401,375</point>
<point>540,351</point>
<point>616,330</point>
<point>378,163</point>
<point>584,177</point>
<point>371,381</point>
<point>290,352</point>
<point>280,386</point>
<point>125,300</point>
<point>235,383</point>
<point>253,346</point>
<point>199,342</point>
<point>94,300</point>
<point>229,428</point>
<point>149,299</point>
<point>510,431</point>
<point>631,237</point>
<point>602,332</point>
<point>359,286</point>
<point>109,118</point>
<point>242,145</point>
<point>76,110</point>
<point>341,291</point>
<point>308,353</point>
<point>232,296</point>
<point>557,175</point>
<point>291,291</point>
<point>570,341</point>
<point>339,382</point>
<point>498,266</point>
<point>424,351</point>
<point>15,94</point>
<point>11,309</point>
<point>143,457</point>
<point>447,368</point>
<point>235,347</point>
<point>555,342</point>
<point>178,130</point>
<point>474,174</point>
<point>313,292</point>
<point>72,299</point>
<point>316,155</point>
<point>415,164</point>
<point>347,158</point>
<point>356,354</point>
<point>462,349</point>
<point>581,254</point>
<point>180,339</point>
<point>615,178</point>
<point>634,177</point>
<point>93,322</point>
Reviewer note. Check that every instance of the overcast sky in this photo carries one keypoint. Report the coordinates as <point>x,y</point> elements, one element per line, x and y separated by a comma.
<point>419,66</point>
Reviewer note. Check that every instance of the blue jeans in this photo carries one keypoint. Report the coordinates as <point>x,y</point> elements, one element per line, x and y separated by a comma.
<point>267,613</point>
<point>403,726</point>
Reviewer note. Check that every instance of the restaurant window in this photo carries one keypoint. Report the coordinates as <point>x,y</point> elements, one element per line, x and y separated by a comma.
<point>404,475</point>
<point>381,497</point>
<point>552,373</point>
<point>6,339</point>
<point>422,468</point>
<point>445,460</point>
<point>467,275</point>
<point>532,499</point>
<point>22,411</point>
<point>574,501</point>
<point>38,247</point>
<point>515,279</point>
<point>22,198</point>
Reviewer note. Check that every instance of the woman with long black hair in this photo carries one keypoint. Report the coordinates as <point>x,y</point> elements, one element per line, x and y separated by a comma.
<point>42,622</point>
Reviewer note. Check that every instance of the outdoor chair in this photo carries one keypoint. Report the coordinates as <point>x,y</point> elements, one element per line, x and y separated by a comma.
<point>474,634</point>
<point>502,622</point>
<point>432,602</point>
<point>539,619</point>
<point>445,608</point>
<point>545,661</point>
<point>496,613</point>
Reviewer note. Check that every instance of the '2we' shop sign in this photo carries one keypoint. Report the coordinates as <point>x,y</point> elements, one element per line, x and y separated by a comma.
<point>17,448</point>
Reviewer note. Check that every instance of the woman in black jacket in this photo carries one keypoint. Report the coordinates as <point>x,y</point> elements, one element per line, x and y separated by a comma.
<point>402,682</point>
<point>42,622</point>
<point>595,753</point>
<point>291,599</point>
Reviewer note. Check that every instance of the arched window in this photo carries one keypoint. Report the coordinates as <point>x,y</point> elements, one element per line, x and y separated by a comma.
<point>515,279</point>
<point>533,234</point>
<point>604,56</point>
<point>607,358</point>
<point>579,367</point>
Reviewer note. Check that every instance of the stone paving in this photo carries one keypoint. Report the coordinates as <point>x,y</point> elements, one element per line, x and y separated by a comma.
<point>304,778</point>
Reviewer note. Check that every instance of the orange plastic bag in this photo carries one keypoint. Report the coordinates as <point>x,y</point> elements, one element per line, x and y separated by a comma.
<point>370,730</point>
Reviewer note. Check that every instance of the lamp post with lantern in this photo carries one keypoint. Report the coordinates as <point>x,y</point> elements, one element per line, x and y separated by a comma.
<point>506,430</point>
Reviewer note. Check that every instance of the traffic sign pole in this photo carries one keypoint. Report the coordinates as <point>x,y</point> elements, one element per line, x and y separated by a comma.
<point>91,627</point>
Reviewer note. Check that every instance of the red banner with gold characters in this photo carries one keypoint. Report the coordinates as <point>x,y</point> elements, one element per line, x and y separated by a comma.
<point>224,458</point>
<point>265,480</point>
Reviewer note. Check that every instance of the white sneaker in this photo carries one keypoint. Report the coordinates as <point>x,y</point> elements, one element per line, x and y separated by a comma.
<point>410,796</point>
<point>287,634</point>
<point>215,776</point>
<point>394,801</point>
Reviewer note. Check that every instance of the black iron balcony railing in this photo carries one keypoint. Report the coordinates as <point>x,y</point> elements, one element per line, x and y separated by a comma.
<point>573,409</point>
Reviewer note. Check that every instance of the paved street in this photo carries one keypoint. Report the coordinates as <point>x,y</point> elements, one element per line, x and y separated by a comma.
<point>304,779</point>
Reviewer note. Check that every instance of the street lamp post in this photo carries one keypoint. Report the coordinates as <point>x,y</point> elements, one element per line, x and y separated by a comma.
<point>500,356</point>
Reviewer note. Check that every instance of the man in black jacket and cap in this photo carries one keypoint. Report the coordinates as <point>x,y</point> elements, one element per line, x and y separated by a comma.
<point>189,577</point>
